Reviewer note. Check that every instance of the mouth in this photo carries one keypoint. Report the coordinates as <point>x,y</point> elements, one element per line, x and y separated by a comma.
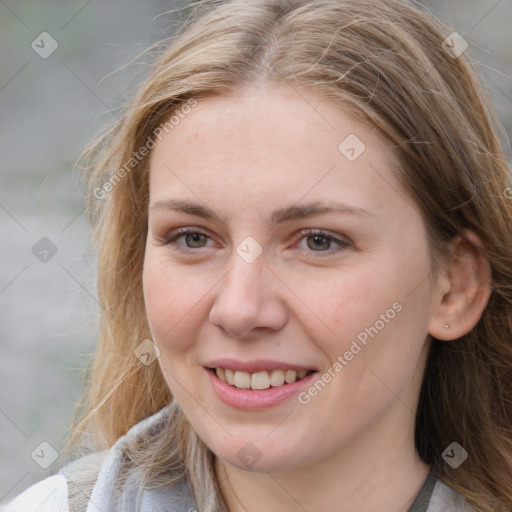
<point>261,380</point>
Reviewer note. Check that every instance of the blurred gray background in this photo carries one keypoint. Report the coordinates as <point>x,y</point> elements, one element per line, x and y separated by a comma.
<point>49,109</point>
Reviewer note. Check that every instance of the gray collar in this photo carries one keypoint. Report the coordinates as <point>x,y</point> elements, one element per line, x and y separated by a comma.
<point>422,501</point>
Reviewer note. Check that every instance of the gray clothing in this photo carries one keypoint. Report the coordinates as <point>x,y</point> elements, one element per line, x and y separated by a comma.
<point>87,485</point>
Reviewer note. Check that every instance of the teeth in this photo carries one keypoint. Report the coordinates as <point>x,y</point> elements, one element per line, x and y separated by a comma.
<point>258,380</point>
<point>277,378</point>
<point>290,376</point>
<point>242,380</point>
<point>230,377</point>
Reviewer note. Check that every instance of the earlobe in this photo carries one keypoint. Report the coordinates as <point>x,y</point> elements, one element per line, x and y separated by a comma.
<point>461,304</point>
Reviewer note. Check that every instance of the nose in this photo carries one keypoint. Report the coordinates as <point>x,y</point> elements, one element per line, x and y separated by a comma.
<point>248,300</point>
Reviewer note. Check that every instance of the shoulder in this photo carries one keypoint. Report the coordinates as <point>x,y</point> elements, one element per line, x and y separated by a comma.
<point>48,495</point>
<point>92,479</point>
<point>81,476</point>
<point>67,491</point>
<point>446,499</point>
<point>109,494</point>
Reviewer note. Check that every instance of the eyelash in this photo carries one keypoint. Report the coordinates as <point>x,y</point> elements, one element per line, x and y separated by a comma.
<point>172,238</point>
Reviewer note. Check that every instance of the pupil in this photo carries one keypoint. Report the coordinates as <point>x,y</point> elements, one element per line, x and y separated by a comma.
<point>319,242</point>
<point>195,240</point>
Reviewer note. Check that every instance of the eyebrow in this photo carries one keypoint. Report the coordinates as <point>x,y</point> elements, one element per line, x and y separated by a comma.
<point>281,215</point>
<point>308,210</point>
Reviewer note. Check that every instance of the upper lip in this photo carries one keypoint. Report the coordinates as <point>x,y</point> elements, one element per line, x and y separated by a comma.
<point>256,365</point>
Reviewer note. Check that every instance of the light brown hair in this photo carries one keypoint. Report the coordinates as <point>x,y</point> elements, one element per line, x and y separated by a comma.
<point>385,62</point>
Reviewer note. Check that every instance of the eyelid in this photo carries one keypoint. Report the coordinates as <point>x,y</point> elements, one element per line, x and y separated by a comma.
<point>327,234</point>
<point>343,241</point>
<point>171,236</point>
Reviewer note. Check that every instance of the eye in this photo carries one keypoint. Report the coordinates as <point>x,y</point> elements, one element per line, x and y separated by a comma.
<point>195,240</point>
<point>318,242</point>
<point>186,238</point>
<point>321,242</point>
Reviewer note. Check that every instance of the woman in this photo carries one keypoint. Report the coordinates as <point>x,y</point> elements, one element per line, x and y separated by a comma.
<point>304,240</point>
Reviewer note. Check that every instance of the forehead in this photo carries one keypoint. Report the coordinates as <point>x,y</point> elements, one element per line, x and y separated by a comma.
<point>281,117</point>
<point>272,144</point>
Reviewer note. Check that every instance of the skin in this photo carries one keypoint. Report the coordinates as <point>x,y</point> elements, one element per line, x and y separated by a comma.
<point>245,156</point>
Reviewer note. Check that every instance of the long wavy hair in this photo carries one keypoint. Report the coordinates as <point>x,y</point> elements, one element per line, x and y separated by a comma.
<point>386,62</point>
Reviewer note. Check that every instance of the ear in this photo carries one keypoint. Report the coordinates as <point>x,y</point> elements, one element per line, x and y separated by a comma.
<point>465,289</point>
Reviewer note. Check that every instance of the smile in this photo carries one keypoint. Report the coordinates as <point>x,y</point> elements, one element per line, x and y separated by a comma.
<point>259,380</point>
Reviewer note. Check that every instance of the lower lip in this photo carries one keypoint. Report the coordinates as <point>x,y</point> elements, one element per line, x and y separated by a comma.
<point>255,399</point>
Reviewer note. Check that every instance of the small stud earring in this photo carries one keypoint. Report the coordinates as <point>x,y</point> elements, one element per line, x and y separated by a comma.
<point>446,326</point>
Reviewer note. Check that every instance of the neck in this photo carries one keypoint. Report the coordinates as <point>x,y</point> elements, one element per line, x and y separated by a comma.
<point>365,475</point>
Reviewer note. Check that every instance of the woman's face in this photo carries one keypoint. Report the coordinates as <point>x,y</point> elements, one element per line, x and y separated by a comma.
<point>280,244</point>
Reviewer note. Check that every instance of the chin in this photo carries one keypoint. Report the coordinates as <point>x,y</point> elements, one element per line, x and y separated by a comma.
<point>260,457</point>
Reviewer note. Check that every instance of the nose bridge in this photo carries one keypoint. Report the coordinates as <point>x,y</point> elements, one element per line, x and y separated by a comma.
<point>244,283</point>
<point>246,300</point>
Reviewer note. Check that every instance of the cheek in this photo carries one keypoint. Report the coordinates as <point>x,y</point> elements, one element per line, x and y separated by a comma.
<point>339,305</point>
<point>173,302</point>
<point>378,306</point>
